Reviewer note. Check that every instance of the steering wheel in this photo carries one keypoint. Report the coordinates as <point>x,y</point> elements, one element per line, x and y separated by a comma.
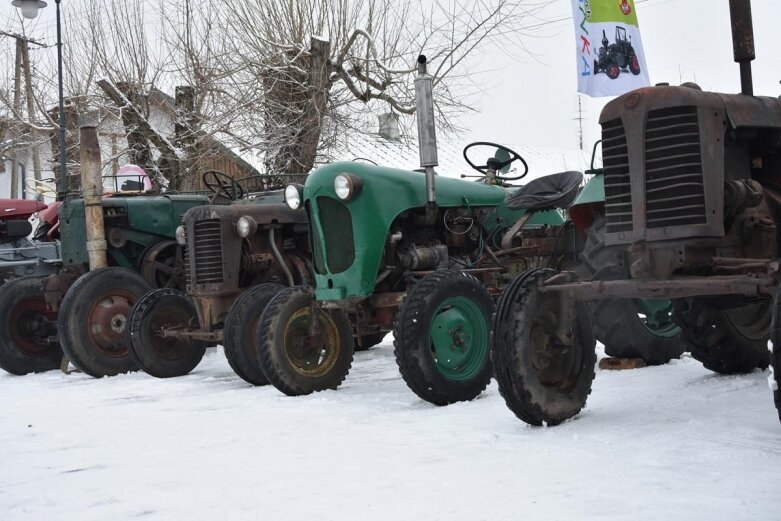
<point>500,163</point>
<point>223,185</point>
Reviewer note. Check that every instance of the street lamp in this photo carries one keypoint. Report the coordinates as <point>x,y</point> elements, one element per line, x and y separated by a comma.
<point>30,10</point>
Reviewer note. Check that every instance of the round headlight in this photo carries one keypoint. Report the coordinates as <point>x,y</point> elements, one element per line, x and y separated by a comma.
<point>292,197</point>
<point>180,238</point>
<point>246,226</point>
<point>343,186</point>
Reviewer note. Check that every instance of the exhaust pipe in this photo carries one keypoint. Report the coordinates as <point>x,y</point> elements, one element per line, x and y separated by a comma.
<point>743,42</point>
<point>427,136</point>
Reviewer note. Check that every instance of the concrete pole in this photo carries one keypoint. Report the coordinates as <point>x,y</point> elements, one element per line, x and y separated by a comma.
<point>92,188</point>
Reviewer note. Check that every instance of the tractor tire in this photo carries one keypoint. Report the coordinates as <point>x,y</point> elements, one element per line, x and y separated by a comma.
<point>156,355</point>
<point>441,338</point>
<point>613,71</point>
<point>618,323</point>
<point>93,317</point>
<point>241,324</point>
<point>727,340</point>
<point>27,328</point>
<point>295,363</point>
<point>542,383</point>
<point>774,380</point>
<point>366,342</point>
<point>634,65</point>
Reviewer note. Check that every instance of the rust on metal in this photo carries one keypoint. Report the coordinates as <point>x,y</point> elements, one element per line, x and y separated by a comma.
<point>619,364</point>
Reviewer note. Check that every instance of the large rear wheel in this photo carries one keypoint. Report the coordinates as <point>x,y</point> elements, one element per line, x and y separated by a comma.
<point>239,332</point>
<point>28,328</point>
<point>93,317</point>
<point>296,358</point>
<point>729,334</point>
<point>629,328</point>
<point>158,355</point>
<point>543,380</point>
<point>441,338</point>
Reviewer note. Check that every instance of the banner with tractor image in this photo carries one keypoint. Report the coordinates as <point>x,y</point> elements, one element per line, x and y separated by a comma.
<point>610,58</point>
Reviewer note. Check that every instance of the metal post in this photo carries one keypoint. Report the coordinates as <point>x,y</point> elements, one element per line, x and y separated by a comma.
<point>92,189</point>
<point>743,41</point>
<point>427,136</point>
<point>63,188</point>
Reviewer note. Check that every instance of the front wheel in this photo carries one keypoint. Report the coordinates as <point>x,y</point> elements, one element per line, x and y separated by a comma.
<point>296,358</point>
<point>542,378</point>
<point>613,71</point>
<point>441,338</point>
<point>93,317</point>
<point>28,328</point>
<point>158,355</point>
<point>241,324</point>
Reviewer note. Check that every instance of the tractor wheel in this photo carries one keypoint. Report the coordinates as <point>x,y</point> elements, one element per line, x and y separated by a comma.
<point>161,265</point>
<point>156,355</point>
<point>541,380</point>
<point>634,65</point>
<point>612,71</point>
<point>629,328</point>
<point>93,317</point>
<point>294,361</point>
<point>441,338</point>
<point>28,328</point>
<point>366,342</point>
<point>774,380</point>
<point>596,67</point>
<point>728,335</point>
<point>240,328</point>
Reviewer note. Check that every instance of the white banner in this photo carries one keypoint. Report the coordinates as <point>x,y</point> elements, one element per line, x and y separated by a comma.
<point>610,57</point>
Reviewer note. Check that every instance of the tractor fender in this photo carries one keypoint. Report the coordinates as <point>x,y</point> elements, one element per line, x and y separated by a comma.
<point>589,202</point>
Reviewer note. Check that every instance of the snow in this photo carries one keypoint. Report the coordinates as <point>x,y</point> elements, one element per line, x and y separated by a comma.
<point>671,442</point>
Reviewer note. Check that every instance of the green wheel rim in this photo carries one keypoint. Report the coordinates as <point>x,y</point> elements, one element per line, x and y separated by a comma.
<point>656,316</point>
<point>459,338</point>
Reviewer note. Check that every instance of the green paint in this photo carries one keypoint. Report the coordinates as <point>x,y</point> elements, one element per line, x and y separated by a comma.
<point>658,316</point>
<point>459,338</point>
<point>609,11</point>
<point>144,219</point>
<point>593,192</point>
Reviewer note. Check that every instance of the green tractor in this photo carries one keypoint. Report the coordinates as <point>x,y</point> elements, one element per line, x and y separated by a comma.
<point>83,311</point>
<point>422,256</point>
<point>691,182</point>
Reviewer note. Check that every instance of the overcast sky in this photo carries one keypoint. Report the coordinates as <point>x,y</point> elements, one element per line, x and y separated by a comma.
<point>531,98</point>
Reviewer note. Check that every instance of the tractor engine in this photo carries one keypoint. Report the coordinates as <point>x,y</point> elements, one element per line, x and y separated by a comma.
<point>692,179</point>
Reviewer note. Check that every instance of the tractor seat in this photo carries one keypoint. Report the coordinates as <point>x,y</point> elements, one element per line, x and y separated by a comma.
<point>547,193</point>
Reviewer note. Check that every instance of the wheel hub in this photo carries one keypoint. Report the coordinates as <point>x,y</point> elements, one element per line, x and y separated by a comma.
<point>106,324</point>
<point>459,337</point>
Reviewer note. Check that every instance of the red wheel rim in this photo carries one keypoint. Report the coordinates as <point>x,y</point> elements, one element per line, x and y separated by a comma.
<point>30,318</point>
<point>106,322</point>
<point>635,63</point>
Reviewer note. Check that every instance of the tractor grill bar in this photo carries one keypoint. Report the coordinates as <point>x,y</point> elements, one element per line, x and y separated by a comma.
<point>207,252</point>
<point>618,198</point>
<point>673,168</point>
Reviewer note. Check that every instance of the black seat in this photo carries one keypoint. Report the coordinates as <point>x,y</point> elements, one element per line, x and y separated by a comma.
<point>547,193</point>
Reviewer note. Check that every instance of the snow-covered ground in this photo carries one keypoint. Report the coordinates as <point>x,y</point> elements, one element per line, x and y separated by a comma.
<point>673,442</point>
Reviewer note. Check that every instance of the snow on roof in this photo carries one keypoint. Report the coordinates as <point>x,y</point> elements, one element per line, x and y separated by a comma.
<point>403,153</point>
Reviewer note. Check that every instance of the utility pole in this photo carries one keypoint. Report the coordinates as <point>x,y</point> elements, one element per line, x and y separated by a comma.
<point>17,111</point>
<point>28,80</point>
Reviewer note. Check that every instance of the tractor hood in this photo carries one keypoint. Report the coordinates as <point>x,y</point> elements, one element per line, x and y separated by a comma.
<point>348,237</point>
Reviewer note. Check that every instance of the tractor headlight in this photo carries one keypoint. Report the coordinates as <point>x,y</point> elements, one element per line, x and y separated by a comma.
<point>347,186</point>
<point>246,226</point>
<point>293,196</point>
<point>180,237</point>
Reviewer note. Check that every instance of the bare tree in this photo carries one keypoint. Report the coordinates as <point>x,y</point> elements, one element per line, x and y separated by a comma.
<point>319,69</point>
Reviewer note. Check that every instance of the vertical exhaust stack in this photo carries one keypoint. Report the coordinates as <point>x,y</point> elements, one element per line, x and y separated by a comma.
<point>92,189</point>
<point>427,136</point>
<point>743,42</point>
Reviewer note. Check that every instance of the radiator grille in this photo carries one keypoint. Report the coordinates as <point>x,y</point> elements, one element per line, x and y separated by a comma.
<point>673,168</point>
<point>207,252</point>
<point>615,164</point>
<point>337,227</point>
